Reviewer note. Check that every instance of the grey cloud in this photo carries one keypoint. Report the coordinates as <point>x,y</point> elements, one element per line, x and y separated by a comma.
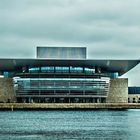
<point>110,29</point>
<point>61,25</point>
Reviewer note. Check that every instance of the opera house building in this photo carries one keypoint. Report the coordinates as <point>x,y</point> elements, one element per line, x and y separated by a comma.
<point>64,75</point>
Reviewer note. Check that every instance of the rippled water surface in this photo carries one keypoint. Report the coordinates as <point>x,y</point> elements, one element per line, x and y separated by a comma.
<point>70,125</point>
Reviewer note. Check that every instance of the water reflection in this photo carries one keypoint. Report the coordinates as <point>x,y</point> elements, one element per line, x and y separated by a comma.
<point>75,125</point>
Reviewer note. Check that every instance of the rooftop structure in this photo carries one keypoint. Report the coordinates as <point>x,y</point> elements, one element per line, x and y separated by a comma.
<point>109,66</point>
<point>61,52</point>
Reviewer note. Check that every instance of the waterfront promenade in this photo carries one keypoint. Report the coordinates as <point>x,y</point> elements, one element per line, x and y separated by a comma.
<point>49,106</point>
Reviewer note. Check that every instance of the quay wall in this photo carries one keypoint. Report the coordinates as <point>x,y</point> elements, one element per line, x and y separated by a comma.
<point>47,106</point>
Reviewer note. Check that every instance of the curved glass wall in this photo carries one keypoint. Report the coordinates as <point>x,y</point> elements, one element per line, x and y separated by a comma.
<point>63,82</point>
<point>44,86</point>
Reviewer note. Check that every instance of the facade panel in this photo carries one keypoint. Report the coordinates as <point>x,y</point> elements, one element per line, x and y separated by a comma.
<point>61,52</point>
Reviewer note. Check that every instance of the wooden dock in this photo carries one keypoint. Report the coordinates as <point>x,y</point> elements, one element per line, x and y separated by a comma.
<point>67,106</point>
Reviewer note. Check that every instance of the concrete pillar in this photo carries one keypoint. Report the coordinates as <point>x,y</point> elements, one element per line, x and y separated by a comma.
<point>7,93</point>
<point>98,100</point>
<point>118,91</point>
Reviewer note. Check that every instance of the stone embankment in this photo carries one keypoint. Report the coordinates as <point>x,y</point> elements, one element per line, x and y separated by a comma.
<point>67,106</point>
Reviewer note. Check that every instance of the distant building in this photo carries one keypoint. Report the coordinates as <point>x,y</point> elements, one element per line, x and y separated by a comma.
<point>64,75</point>
<point>134,94</point>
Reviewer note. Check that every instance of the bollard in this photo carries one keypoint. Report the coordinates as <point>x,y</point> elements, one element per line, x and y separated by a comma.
<point>12,108</point>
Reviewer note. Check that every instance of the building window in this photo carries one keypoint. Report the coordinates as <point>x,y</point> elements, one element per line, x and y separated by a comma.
<point>134,100</point>
<point>34,70</point>
<point>139,101</point>
<point>47,69</point>
<point>62,69</point>
<point>76,69</point>
<point>88,70</point>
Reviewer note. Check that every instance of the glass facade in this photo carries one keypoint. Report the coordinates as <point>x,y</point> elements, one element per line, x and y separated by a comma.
<point>82,85</point>
<point>74,84</point>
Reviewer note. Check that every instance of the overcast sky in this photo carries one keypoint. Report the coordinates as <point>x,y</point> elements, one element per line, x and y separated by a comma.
<point>110,29</point>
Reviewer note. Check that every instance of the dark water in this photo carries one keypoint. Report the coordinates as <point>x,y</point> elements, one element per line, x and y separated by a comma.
<point>70,125</point>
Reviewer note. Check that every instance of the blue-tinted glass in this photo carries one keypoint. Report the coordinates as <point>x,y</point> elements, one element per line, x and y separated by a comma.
<point>76,69</point>
<point>62,69</point>
<point>47,69</point>
<point>89,70</point>
<point>34,70</point>
<point>6,74</point>
<point>134,90</point>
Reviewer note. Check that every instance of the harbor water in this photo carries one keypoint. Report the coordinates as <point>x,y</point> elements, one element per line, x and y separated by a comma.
<point>70,125</point>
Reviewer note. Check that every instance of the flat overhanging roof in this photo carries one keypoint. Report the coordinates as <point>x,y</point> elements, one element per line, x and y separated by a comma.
<point>120,66</point>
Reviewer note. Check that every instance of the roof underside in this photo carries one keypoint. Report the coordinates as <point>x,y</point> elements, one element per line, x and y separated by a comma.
<point>120,66</point>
